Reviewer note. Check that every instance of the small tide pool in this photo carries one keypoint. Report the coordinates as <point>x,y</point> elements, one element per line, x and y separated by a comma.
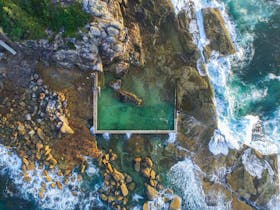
<point>156,112</point>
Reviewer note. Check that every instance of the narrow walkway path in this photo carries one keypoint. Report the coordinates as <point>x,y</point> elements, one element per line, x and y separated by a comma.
<point>7,47</point>
<point>95,92</point>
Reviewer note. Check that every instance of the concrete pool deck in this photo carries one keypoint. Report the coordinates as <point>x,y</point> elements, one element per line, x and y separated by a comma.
<point>96,91</point>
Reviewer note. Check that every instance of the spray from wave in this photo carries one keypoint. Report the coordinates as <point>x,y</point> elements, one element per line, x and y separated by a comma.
<point>184,179</point>
<point>50,196</point>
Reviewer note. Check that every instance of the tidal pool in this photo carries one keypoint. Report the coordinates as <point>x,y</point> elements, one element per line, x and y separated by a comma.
<point>156,112</point>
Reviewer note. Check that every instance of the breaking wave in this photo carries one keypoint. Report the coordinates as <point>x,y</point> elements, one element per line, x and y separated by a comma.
<point>70,196</point>
<point>235,129</point>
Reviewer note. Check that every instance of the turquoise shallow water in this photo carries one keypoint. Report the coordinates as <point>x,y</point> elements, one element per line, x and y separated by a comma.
<point>156,113</point>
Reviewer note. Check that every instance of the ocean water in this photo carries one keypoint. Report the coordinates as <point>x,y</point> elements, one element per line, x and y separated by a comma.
<point>246,84</point>
<point>17,194</point>
<point>156,113</point>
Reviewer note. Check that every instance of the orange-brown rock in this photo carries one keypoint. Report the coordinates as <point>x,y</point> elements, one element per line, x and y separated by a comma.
<point>149,162</point>
<point>240,205</point>
<point>175,203</point>
<point>146,206</point>
<point>40,133</point>
<point>118,176</point>
<point>146,172</point>
<point>26,177</point>
<point>48,178</point>
<point>42,193</point>
<point>110,168</point>
<point>151,192</point>
<point>73,147</point>
<point>39,146</point>
<point>25,161</point>
<point>124,189</point>
<point>83,168</point>
<point>59,185</point>
<point>153,174</point>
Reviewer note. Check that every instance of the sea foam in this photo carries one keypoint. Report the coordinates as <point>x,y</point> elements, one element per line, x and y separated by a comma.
<point>184,178</point>
<point>232,131</point>
<point>69,197</point>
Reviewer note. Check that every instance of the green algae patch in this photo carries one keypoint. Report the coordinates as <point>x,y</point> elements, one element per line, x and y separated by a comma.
<point>30,18</point>
<point>156,112</point>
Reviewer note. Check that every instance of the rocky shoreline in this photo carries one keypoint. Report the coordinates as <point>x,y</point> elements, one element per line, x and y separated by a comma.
<point>42,121</point>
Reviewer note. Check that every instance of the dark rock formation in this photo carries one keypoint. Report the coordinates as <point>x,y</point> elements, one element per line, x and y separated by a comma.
<point>217,33</point>
<point>128,97</point>
<point>255,178</point>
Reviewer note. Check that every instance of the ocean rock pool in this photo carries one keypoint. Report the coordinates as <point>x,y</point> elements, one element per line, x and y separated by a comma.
<point>157,113</point>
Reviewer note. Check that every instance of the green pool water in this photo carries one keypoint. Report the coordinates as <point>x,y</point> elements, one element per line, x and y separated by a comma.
<point>156,113</point>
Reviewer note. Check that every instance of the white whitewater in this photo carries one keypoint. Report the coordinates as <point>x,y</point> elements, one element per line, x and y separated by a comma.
<point>54,199</point>
<point>255,166</point>
<point>92,130</point>
<point>232,132</point>
<point>184,179</point>
<point>106,136</point>
<point>128,136</point>
<point>172,137</point>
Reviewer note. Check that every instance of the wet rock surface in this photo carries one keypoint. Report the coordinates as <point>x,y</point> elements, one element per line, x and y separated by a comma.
<point>124,95</point>
<point>217,33</point>
<point>255,187</point>
<point>128,97</point>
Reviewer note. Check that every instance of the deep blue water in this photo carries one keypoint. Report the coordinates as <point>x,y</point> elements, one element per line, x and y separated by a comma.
<point>257,83</point>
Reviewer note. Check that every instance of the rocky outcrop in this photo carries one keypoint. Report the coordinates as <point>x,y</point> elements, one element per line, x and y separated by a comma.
<point>190,51</point>
<point>83,57</point>
<point>34,121</point>
<point>188,83</point>
<point>106,40</point>
<point>216,33</point>
<point>176,203</point>
<point>157,196</point>
<point>255,179</point>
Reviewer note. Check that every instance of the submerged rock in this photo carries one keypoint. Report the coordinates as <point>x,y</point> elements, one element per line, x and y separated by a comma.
<point>255,179</point>
<point>116,85</point>
<point>128,97</point>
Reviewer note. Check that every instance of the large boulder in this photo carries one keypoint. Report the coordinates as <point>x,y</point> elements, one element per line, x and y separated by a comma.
<point>176,203</point>
<point>216,33</point>
<point>151,192</point>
